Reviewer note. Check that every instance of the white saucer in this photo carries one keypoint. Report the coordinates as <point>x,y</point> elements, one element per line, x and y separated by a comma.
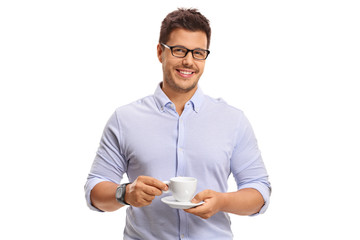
<point>169,200</point>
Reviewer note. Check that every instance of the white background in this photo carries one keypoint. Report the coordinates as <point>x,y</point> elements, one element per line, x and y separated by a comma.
<point>291,66</point>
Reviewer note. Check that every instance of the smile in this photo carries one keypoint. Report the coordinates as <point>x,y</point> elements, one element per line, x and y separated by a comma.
<point>185,73</point>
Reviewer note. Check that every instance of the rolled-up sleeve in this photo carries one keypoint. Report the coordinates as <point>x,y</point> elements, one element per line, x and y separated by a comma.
<point>247,165</point>
<point>109,163</point>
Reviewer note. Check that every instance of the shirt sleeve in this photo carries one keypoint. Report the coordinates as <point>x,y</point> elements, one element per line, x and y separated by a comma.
<point>109,163</point>
<point>247,165</point>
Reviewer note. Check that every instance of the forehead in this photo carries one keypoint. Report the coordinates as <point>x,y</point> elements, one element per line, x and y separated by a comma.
<point>188,39</point>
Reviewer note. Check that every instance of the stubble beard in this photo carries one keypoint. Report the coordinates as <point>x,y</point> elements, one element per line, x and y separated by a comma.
<point>178,88</point>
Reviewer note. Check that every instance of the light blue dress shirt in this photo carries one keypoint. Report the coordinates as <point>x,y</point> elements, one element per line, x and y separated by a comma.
<point>209,141</point>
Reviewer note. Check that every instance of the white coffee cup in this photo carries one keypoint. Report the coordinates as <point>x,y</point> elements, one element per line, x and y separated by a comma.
<point>183,188</point>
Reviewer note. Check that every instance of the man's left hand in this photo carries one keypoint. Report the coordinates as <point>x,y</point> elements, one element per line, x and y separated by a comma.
<point>213,202</point>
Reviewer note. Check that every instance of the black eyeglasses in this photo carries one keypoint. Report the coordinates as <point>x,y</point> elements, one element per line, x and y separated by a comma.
<point>181,52</point>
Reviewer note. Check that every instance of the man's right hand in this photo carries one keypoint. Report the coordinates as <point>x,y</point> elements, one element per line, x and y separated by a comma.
<point>143,190</point>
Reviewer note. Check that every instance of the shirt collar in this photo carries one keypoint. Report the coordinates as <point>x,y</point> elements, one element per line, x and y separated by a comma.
<point>162,100</point>
<point>197,99</point>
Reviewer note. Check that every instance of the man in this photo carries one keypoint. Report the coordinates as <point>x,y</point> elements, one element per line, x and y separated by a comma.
<point>179,131</point>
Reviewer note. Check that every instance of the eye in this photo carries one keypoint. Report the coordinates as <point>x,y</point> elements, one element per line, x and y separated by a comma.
<point>179,50</point>
<point>200,53</point>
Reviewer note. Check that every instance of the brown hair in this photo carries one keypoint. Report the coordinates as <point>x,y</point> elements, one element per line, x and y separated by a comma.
<point>190,19</point>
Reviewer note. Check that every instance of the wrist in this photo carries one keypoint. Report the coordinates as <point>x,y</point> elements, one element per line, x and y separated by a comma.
<point>121,193</point>
<point>224,201</point>
<point>126,197</point>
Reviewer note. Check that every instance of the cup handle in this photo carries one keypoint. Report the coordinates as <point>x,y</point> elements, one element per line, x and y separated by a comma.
<point>167,183</point>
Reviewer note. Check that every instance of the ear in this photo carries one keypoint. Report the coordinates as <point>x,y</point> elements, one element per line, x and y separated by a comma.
<point>159,52</point>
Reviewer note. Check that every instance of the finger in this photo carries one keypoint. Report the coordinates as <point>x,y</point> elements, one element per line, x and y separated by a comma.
<point>143,199</point>
<point>152,191</point>
<point>204,211</point>
<point>199,211</point>
<point>155,183</point>
<point>201,196</point>
<point>193,210</point>
<point>147,197</point>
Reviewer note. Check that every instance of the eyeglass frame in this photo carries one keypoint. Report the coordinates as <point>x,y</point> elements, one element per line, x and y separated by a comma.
<point>187,51</point>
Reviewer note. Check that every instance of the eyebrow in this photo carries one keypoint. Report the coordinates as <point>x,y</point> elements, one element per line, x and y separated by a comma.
<point>189,48</point>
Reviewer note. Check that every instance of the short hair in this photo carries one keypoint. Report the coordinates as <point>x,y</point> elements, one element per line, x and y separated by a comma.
<point>190,19</point>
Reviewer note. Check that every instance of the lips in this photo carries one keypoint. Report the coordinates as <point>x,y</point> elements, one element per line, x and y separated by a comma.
<point>185,73</point>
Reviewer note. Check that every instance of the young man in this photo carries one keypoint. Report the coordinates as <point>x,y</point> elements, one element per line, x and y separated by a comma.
<point>179,131</point>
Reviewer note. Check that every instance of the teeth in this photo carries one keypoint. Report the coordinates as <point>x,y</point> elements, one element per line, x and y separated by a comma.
<point>183,72</point>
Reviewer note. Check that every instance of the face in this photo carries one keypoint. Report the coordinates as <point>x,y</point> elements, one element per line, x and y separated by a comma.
<point>181,75</point>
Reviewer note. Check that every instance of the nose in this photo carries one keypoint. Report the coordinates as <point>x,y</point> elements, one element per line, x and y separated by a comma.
<point>188,60</point>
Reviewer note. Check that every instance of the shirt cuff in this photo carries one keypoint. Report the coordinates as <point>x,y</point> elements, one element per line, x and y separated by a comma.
<point>90,184</point>
<point>264,190</point>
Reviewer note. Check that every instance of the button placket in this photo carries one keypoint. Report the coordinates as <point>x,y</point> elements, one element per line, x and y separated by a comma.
<point>183,224</point>
<point>180,147</point>
<point>181,171</point>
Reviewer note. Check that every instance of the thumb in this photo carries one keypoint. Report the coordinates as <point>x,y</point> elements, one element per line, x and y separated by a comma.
<point>198,198</point>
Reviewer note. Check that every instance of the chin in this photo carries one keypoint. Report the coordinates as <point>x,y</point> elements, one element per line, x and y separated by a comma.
<point>180,84</point>
<point>186,87</point>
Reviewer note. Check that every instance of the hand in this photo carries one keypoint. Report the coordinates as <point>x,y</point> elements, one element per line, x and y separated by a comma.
<point>213,204</point>
<point>143,190</point>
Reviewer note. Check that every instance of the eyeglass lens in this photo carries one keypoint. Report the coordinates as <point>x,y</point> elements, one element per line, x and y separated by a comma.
<point>181,52</point>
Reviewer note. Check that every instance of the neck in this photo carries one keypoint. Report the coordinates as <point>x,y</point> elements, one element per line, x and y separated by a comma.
<point>177,97</point>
